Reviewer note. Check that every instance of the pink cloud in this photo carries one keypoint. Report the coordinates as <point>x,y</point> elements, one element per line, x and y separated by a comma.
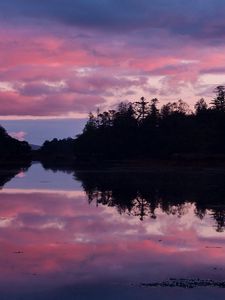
<point>96,69</point>
<point>20,135</point>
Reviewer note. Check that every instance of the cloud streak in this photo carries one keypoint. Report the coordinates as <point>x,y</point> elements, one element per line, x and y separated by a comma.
<point>189,18</point>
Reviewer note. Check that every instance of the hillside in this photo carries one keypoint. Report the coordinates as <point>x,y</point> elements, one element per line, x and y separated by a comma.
<point>12,150</point>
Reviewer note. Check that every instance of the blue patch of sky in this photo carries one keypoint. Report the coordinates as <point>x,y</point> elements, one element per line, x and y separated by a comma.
<point>37,131</point>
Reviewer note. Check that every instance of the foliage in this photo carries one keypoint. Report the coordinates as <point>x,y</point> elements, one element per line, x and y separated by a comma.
<point>58,149</point>
<point>143,130</point>
<point>12,149</point>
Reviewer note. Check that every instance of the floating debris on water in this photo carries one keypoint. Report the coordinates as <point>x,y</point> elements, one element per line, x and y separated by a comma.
<point>186,283</point>
<point>18,252</point>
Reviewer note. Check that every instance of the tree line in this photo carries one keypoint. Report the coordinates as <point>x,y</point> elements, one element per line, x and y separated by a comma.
<point>143,130</point>
<point>140,129</point>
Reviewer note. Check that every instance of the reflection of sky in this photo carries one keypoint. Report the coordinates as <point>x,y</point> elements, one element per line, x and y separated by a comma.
<point>56,246</point>
<point>37,178</point>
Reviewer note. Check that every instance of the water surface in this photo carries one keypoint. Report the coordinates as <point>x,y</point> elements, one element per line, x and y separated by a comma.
<point>89,234</point>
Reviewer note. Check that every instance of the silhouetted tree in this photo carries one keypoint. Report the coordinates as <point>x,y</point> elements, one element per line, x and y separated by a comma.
<point>218,103</point>
<point>141,108</point>
<point>142,130</point>
<point>201,106</point>
<point>91,124</point>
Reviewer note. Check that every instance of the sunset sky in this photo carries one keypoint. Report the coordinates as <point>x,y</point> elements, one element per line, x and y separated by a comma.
<point>60,59</point>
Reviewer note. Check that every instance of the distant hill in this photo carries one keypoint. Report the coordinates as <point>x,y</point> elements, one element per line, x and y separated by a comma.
<point>35,147</point>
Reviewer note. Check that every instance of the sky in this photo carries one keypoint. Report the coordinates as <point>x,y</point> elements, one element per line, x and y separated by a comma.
<point>61,59</point>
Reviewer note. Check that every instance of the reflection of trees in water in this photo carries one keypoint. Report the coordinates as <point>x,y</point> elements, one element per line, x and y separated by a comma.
<point>8,173</point>
<point>219,216</point>
<point>138,206</point>
<point>6,176</point>
<point>142,194</point>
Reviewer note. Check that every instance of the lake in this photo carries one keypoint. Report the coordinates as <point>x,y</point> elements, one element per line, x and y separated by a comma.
<point>109,234</point>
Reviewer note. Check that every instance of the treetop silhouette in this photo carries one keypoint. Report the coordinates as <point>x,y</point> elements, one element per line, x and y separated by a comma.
<point>142,129</point>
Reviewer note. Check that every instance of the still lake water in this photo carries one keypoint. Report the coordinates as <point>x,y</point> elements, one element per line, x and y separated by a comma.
<point>100,234</point>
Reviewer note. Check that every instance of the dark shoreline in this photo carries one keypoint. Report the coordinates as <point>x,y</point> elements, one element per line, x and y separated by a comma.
<point>212,164</point>
<point>138,165</point>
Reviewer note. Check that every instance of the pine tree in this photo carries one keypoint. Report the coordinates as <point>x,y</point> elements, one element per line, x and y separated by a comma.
<point>218,103</point>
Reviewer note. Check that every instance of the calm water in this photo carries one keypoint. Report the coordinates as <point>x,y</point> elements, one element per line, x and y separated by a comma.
<point>99,235</point>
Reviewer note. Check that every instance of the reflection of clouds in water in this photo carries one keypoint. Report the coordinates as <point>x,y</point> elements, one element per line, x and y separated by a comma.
<point>55,234</point>
<point>6,222</point>
<point>21,175</point>
<point>68,194</point>
<point>62,211</point>
<point>64,240</point>
<point>64,204</point>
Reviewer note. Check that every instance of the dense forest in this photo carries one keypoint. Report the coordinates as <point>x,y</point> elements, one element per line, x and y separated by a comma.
<point>12,150</point>
<point>138,130</point>
<point>143,130</point>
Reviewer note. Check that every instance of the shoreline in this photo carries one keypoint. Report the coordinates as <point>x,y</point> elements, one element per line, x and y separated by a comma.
<point>140,165</point>
<point>175,164</point>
